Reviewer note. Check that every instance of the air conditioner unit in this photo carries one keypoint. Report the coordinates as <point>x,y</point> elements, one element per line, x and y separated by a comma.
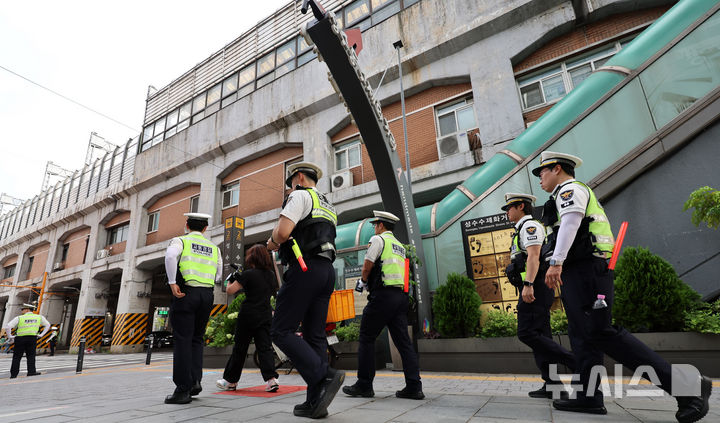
<point>453,144</point>
<point>341,180</point>
<point>59,266</point>
<point>101,254</point>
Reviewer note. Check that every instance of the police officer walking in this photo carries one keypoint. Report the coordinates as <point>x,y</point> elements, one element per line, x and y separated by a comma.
<point>52,341</point>
<point>583,244</point>
<point>307,224</point>
<point>26,335</point>
<point>527,272</point>
<point>383,273</point>
<point>193,265</point>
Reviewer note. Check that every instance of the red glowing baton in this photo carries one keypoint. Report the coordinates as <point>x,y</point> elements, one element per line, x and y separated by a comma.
<point>618,245</point>
<point>298,255</point>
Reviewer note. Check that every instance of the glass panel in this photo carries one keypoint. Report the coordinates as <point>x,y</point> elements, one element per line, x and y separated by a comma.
<point>466,118</point>
<point>184,111</point>
<point>302,44</point>
<point>157,140</point>
<point>212,109</point>
<point>230,85</point>
<point>340,159</point>
<point>198,117</point>
<point>148,133</point>
<point>686,73</point>
<point>538,76</point>
<point>170,132</point>
<point>354,156</point>
<point>146,145</point>
<point>377,4</point>
<point>172,118</point>
<point>199,103</point>
<point>246,90</point>
<point>447,124</point>
<point>194,204</point>
<point>599,63</point>
<point>184,124</point>
<point>266,64</point>
<point>588,57</point>
<point>214,94</point>
<point>282,70</point>
<point>554,88</point>
<point>386,12</point>
<point>246,76</point>
<point>236,196</point>
<point>446,108</point>
<point>286,52</point>
<point>229,100</point>
<point>306,58</point>
<point>578,75</point>
<point>407,3</point>
<point>160,126</point>
<point>356,11</point>
<point>266,79</point>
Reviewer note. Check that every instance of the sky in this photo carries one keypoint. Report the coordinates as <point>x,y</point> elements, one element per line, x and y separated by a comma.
<point>103,55</point>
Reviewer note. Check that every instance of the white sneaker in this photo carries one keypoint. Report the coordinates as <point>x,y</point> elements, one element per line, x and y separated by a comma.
<point>225,385</point>
<point>272,385</point>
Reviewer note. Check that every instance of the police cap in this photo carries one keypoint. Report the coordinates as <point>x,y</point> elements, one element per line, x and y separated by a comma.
<point>512,198</point>
<point>198,217</point>
<point>550,158</point>
<point>28,306</point>
<point>306,167</point>
<point>381,216</point>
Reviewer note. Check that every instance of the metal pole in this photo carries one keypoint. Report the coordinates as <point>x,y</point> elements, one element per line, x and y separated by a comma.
<point>81,355</point>
<point>398,45</point>
<point>149,349</point>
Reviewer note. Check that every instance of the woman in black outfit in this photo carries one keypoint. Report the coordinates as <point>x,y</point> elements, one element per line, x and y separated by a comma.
<point>254,318</point>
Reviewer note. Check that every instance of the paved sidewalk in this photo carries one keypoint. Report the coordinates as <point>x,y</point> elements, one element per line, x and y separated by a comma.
<point>136,393</point>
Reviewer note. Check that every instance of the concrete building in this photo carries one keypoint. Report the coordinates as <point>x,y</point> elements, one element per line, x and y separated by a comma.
<point>219,138</point>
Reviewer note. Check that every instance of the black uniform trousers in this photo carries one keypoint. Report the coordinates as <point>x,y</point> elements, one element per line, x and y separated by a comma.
<point>304,297</point>
<point>387,306</point>
<point>257,327</point>
<point>23,345</point>
<point>534,330</point>
<point>53,343</point>
<point>189,316</point>
<point>591,331</point>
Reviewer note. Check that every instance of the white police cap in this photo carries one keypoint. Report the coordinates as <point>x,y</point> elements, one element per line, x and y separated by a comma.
<point>30,306</point>
<point>53,328</point>
<point>550,158</point>
<point>381,216</point>
<point>197,216</point>
<point>512,198</point>
<point>305,167</point>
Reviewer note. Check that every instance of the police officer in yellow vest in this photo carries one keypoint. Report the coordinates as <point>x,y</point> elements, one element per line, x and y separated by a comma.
<point>193,265</point>
<point>527,273</point>
<point>27,326</point>
<point>383,273</point>
<point>307,221</point>
<point>583,243</point>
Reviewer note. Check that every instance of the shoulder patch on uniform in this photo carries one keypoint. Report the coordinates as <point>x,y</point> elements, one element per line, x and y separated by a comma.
<point>566,195</point>
<point>531,230</point>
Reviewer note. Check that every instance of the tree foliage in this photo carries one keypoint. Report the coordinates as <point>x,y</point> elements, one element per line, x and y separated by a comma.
<point>456,307</point>
<point>706,202</point>
<point>649,295</point>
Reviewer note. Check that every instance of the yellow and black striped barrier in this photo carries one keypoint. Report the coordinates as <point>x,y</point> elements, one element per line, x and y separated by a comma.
<point>130,329</point>
<point>218,309</point>
<point>91,328</point>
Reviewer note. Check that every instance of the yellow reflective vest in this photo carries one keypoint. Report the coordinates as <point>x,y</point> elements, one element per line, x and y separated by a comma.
<point>28,324</point>
<point>198,262</point>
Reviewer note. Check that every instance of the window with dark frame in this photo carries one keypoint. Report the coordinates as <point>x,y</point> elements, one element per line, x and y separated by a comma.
<point>9,271</point>
<point>65,249</point>
<point>230,195</point>
<point>118,233</point>
<point>153,222</point>
<point>194,204</point>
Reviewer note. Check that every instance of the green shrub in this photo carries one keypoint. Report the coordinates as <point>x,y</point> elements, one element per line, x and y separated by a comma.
<point>649,295</point>
<point>348,333</point>
<point>706,202</point>
<point>704,319</point>
<point>456,307</point>
<point>558,322</point>
<point>220,330</point>
<point>499,323</point>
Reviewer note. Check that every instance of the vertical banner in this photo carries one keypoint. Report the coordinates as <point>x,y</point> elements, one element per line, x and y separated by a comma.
<point>233,245</point>
<point>352,274</point>
<point>486,241</point>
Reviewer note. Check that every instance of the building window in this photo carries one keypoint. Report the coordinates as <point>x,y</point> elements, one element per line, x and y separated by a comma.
<point>153,220</point>
<point>348,155</point>
<point>30,264</point>
<point>65,249</point>
<point>118,234</point>
<point>549,84</point>
<point>230,195</point>
<point>9,272</point>
<point>194,204</point>
<point>455,117</point>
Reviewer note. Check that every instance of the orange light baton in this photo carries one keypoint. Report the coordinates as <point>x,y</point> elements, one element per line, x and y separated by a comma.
<point>618,245</point>
<point>298,255</point>
<point>406,288</point>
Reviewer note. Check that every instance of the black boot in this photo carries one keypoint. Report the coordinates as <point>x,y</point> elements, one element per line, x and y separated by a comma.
<point>357,391</point>
<point>196,389</point>
<point>407,393</point>
<point>577,405</point>
<point>178,398</point>
<point>692,409</point>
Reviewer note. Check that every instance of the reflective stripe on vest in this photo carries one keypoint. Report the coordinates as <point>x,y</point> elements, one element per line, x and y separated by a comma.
<point>600,231</point>
<point>28,324</point>
<point>198,262</point>
<point>321,209</point>
<point>393,261</point>
<point>515,248</point>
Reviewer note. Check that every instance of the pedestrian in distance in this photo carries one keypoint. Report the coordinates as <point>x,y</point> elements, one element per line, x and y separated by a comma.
<point>193,265</point>
<point>383,273</point>
<point>253,320</point>
<point>305,238</point>
<point>52,341</point>
<point>526,272</point>
<point>4,344</point>
<point>27,326</point>
<point>583,244</point>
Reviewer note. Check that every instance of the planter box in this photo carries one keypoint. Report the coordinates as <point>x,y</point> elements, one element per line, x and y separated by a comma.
<point>509,355</point>
<point>217,358</point>
<point>348,359</point>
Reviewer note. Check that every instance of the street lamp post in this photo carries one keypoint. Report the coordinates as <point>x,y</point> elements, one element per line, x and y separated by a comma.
<point>398,45</point>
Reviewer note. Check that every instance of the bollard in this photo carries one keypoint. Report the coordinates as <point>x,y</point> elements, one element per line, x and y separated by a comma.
<point>81,355</point>
<point>149,350</point>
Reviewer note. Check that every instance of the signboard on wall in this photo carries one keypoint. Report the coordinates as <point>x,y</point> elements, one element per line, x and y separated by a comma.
<point>233,245</point>
<point>352,274</point>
